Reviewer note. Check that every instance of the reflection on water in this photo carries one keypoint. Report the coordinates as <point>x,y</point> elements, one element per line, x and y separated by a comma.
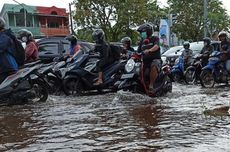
<point>119,122</point>
<point>17,127</point>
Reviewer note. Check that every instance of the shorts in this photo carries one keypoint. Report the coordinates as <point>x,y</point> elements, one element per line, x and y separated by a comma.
<point>157,63</point>
<point>103,63</point>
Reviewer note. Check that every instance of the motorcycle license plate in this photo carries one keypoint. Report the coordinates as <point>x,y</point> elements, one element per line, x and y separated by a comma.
<point>127,76</point>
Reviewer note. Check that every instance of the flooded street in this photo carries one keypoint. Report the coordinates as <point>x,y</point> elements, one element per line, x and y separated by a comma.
<point>120,122</point>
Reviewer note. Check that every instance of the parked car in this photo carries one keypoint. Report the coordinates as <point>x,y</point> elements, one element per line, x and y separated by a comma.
<point>172,54</point>
<point>52,47</point>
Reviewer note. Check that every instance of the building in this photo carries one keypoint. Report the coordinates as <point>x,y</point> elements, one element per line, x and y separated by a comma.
<point>41,21</point>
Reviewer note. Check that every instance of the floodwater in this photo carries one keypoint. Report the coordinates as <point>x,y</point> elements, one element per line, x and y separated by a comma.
<point>120,122</point>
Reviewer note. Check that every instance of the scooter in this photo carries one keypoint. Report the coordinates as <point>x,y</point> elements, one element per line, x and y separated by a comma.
<point>136,78</point>
<point>80,80</point>
<point>56,75</point>
<point>192,73</point>
<point>24,86</point>
<point>214,71</point>
<point>177,71</point>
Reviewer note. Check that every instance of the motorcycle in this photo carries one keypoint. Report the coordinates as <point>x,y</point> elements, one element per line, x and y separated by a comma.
<point>192,73</point>
<point>214,71</point>
<point>80,80</point>
<point>177,71</point>
<point>136,78</point>
<point>24,86</point>
<point>55,73</point>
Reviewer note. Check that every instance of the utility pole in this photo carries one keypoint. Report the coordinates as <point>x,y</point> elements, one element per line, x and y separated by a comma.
<point>71,19</point>
<point>205,18</point>
<point>24,11</point>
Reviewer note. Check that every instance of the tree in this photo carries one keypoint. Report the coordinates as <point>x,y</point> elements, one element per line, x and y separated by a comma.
<point>190,20</point>
<point>114,16</point>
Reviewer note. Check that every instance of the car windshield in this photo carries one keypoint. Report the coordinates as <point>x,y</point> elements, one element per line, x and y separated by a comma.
<point>51,48</point>
<point>172,50</point>
<point>196,47</point>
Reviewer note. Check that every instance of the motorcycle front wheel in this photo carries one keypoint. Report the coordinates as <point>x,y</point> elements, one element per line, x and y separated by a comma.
<point>40,91</point>
<point>177,77</point>
<point>55,84</point>
<point>206,78</point>
<point>72,86</point>
<point>190,75</point>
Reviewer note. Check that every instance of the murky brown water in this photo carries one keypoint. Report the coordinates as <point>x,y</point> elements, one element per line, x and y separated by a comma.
<point>119,122</point>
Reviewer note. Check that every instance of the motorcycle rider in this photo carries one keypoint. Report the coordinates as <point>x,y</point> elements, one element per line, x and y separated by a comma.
<point>127,49</point>
<point>152,56</point>
<point>104,50</point>
<point>225,48</point>
<point>8,64</point>
<point>31,50</point>
<point>206,50</point>
<point>74,46</point>
<point>187,54</point>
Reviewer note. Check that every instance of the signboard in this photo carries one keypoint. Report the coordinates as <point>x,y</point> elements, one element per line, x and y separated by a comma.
<point>164,33</point>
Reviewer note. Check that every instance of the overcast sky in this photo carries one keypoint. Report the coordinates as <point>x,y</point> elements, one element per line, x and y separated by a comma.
<point>65,3</point>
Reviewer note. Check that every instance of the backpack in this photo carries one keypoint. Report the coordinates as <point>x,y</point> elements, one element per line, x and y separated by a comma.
<point>115,51</point>
<point>19,53</point>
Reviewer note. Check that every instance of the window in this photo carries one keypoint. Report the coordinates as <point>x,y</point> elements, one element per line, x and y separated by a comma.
<point>49,48</point>
<point>23,10</point>
<point>54,13</point>
<point>53,25</point>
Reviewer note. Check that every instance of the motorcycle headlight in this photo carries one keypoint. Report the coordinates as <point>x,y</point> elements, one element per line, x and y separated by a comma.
<point>163,58</point>
<point>130,65</point>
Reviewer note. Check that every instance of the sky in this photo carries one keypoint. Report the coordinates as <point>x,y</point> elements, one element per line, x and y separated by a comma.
<point>65,3</point>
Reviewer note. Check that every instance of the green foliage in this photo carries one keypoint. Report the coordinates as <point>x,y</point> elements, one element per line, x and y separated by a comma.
<point>189,24</point>
<point>116,17</point>
<point>85,34</point>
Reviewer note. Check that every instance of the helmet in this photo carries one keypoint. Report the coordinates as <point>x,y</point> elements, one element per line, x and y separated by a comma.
<point>25,33</point>
<point>126,40</point>
<point>71,38</point>
<point>186,45</point>
<point>223,33</point>
<point>207,40</point>
<point>2,23</point>
<point>98,35</point>
<point>146,27</point>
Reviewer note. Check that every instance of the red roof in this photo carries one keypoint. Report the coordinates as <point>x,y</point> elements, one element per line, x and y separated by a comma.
<point>52,10</point>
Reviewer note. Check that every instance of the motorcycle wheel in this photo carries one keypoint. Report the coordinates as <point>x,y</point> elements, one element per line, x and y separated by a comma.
<point>54,84</point>
<point>40,90</point>
<point>72,86</point>
<point>177,77</point>
<point>190,76</point>
<point>206,78</point>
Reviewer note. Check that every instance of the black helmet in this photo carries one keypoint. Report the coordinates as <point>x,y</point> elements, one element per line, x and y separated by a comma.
<point>98,35</point>
<point>71,38</point>
<point>25,33</point>
<point>223,33</point>
<point>126,40</point>
<point>146,27</point>
<point>186,45</point>
<point>207,40</point>
<point>2,23</point>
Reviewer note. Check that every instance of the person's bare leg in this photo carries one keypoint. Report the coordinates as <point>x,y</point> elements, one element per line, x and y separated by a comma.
<point>153,77</point>
<point>100,79</point>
